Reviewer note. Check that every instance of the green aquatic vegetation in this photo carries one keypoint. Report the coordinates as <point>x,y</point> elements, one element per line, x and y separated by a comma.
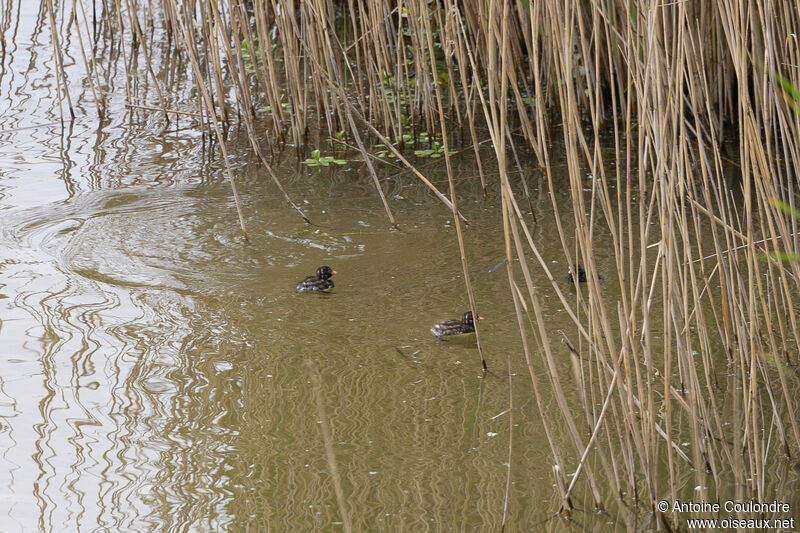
<point>286,107</point>
<point>409,138</point>
<point>249,63</point>
<point>434,152</point>
<point>392,92</point>
<point>384,152</point>
<point>318,160</point>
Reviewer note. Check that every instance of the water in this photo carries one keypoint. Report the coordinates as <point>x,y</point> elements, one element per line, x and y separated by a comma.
<point>160,373</point>
<point>157,366</point>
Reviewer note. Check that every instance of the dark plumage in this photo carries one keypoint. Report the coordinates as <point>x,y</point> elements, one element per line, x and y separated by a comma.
<point>319,282</point>
<point>455,327</point>
<point>576,270</point>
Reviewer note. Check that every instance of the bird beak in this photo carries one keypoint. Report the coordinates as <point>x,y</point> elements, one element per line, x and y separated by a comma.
<point>333,271</point>
<point>480,317</point>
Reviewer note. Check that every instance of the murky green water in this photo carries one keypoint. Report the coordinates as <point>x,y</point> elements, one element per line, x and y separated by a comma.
<point>159,373</point>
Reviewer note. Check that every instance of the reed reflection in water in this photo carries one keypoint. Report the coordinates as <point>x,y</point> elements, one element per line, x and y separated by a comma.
<point>156,366</point>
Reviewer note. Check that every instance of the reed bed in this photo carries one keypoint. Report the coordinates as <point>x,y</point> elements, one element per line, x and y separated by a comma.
<point>704,307</point>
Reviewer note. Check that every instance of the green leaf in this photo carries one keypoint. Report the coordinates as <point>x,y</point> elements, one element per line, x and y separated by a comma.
<point>782,257</point>
<point>793,91</point>
<point>793,98</point>
<point>786,208</point>
<point>318,160</point>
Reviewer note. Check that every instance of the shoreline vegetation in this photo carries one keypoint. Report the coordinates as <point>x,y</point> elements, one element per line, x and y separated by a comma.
<point>690,377</point>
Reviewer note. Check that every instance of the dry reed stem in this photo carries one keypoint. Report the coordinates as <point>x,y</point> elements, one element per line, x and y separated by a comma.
<point>120,26</point>
<point>210,109</point>
<point>510,447</point>
<point>61,79</point>
<point>91,72</point>
<point>327,440</point>
<point>453,200</point>
<point>248,118</point>
<point>140,40</point>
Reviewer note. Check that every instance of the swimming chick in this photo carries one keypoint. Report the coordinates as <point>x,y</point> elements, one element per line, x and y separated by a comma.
<point>455,327</point>
<point>576,271</point>
<point>319,282</point>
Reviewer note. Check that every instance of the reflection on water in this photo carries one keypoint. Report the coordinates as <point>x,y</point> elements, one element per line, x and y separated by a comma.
<point>156,365</point>
<point>156,368</point>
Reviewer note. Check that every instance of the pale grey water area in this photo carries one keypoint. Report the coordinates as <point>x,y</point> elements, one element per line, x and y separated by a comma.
<point>157,371</point>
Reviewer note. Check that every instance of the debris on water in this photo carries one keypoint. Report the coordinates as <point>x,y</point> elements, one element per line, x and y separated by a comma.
<point>498,265</point>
